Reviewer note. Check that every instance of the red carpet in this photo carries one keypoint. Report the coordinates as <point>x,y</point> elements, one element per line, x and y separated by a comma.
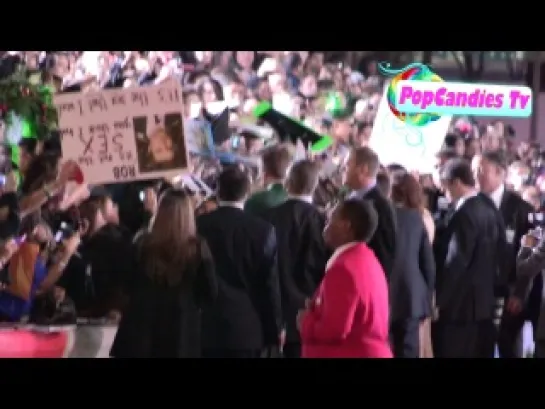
<point>29,344</point>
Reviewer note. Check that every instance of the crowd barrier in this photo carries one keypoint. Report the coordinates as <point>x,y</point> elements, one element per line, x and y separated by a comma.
<point>86,340</point>
<point>95,341</point>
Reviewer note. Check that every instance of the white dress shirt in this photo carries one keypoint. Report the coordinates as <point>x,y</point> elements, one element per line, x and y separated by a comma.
<point>303,198</point>
<point>463,199</point>
<point>497,195</point>
<point>236,205</point>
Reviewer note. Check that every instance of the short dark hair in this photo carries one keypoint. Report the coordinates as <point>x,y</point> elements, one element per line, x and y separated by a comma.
<point>383,183</point>
<point>233,185</point>
<point>450,140</point>
<point>276,161</point>
<point>362,216</point>
<point>497,157</point>
<point>366,156</point>
<point>30,145</point>
<point>396,168</point>
<point>303,177</point>
<point>460,169</point>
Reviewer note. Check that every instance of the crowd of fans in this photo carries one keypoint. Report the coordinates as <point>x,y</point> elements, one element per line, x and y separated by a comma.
<point>241,272</point>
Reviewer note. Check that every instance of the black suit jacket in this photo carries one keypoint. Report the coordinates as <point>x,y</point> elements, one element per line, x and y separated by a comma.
<point>383,242</point>
<point>468,262</point>
<point>413,275</point>
<point>514,211</point>
<point>302,256</point>
<point>247,314</point>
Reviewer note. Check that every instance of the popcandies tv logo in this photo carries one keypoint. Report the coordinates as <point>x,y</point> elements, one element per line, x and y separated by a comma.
<point>418,96</point>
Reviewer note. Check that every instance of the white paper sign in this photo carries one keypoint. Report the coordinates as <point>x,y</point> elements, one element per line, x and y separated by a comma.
<point>283,104</point>
<point>413,147</point>
<point>120,135</point>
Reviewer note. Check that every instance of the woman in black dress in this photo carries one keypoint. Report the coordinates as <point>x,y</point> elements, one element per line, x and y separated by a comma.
<point>175,280</point>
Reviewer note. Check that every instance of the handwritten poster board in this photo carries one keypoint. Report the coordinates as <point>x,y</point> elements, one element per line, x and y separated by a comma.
<point>413,147</point>
<point>120,135</point>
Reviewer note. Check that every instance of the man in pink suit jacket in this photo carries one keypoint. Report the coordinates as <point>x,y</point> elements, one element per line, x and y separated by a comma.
<point>348,315</point>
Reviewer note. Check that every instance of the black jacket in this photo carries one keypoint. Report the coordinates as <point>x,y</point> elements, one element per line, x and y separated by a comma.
<point>302,256</point>
<point>98,277</point>
<point>164,321</point>
<point>412,282</point>
<point>383,242</point>
<point>247,314</point>
<point>468,260</point>
<point>514,211</point>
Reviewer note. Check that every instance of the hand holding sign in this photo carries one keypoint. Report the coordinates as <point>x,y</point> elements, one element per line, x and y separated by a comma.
<point>70,171</point>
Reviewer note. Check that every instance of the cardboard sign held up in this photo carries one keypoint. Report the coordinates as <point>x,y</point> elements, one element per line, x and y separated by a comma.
<point>121,135</point>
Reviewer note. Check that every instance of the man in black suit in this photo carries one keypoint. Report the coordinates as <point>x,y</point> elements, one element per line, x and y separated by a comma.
<point>467,268</point>
<point>490,169</point>
<point>412,283</point>
<point>360,175</point>
<point>302,254</point>
<point>247,316</point>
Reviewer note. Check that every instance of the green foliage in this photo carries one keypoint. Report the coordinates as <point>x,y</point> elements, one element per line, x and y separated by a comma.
<point>33,102</point>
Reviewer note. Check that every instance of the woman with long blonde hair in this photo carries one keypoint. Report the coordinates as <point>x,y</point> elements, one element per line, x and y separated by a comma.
<point>175,281</point>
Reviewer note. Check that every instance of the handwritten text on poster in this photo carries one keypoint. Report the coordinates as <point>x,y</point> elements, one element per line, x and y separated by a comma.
<point>124,134</point>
